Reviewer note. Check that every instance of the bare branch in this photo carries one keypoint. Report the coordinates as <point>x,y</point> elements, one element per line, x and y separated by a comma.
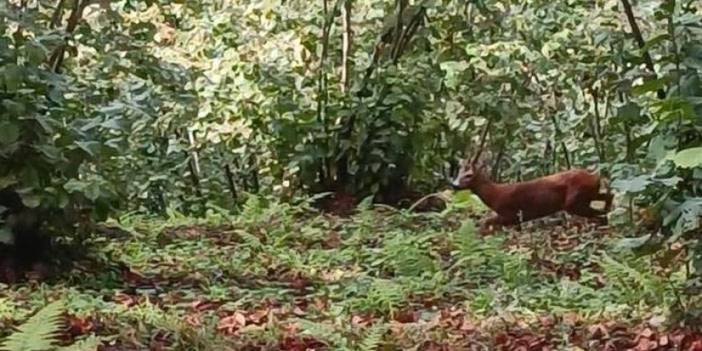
<point>346,44</point>
<point>640,41</point>
<point>483,139</point>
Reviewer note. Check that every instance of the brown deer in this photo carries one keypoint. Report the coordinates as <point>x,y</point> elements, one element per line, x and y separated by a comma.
<point>571,191</point>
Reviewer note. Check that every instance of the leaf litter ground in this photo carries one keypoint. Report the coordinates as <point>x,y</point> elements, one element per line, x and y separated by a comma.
<point>282,277</point>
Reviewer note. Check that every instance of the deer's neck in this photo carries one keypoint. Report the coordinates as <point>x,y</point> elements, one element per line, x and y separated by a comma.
<point>487,191</point>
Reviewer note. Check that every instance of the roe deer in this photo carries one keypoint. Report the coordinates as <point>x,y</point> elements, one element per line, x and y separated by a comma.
<point>571,190</point>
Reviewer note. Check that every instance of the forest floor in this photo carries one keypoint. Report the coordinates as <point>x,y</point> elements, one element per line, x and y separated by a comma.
<point>283,277</point>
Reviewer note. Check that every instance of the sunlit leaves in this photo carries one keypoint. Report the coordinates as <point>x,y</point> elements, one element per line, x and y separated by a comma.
<point>650,85</point>
<point>632,185</point>
<point>454,70</point>
<point>686,216</point>
<point>91,190</point>
<point>688,158</point>
<point>673,108</point>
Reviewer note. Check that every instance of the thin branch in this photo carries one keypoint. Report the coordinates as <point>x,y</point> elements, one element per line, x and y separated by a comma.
<point>230,180</point>
<point>56,59</point>
<point>346,44</point>
<point>483,139</point>
<point>412,28</point>
<point>640,41</point>
<point>195,156</point>
<point>253,173</point>
<point>191,169</point>
<point>496,174</point>
<point>322,91</point>
<point>398,28</point>
<point>558,134</point>
<point>596,126</point>
<point>56,17</point>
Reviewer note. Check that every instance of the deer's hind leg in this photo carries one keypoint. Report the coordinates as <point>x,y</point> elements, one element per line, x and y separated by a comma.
<point>585,211</point>
<point>579,205</point>
<point>607,198</point>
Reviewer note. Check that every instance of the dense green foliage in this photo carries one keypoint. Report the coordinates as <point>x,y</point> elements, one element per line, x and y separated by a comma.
<point>164,105</point>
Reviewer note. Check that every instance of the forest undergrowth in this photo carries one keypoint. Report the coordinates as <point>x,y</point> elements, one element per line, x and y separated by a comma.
<point>286,277</point>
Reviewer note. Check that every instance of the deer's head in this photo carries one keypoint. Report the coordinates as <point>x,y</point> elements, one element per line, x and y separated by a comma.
<point>469,175</point>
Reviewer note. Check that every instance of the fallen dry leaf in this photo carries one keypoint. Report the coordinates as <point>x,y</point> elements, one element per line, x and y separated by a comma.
<point>124,299</point>
<point>406,316</point>
<point>467,327</point>
<point>194,320</point>
<point>231,323</point>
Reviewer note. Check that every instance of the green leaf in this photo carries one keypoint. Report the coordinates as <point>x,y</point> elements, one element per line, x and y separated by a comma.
<point>29,197</point>
<point>463,197</point>
<point>52,153</point>
<point>36,54</point>
<point>91,343</point>
<point>669,182</point>
<point>74,186</point>
<point>31,200</point>
<point>6,236</point>
<point>90,190</point>
<point>668,7</point>
<point>366,203</point>
<point>630,112</point>
<point>453,71</point>
<point>660,146</point>
<point>468,228</point>
<point>7,181</point>
<point>632,185</point>
<point>652,42</point>
<point>113,109</point>
<point>687,216</point>
<point>9,133</point>
<point>91,147</point>
<point>673,108</point>
<point>12,76</point>
<point>688,158</point>
<point>632,243</point>
<point>649,86</point>
<point>14,107</point>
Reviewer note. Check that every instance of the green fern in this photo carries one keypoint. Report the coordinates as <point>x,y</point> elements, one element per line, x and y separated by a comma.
<point>323,332</point>
<point>384,296</point>
<point>631,277</point>
<point>373,338</point>
<point>88,344</point>
<point>409,255</point>
<point>38,332</point>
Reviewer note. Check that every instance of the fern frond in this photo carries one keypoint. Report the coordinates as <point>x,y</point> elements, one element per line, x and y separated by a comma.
<point>90,343</point>
<point>374,336</point>
<point>38,332</point>
<point>323,332</point>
